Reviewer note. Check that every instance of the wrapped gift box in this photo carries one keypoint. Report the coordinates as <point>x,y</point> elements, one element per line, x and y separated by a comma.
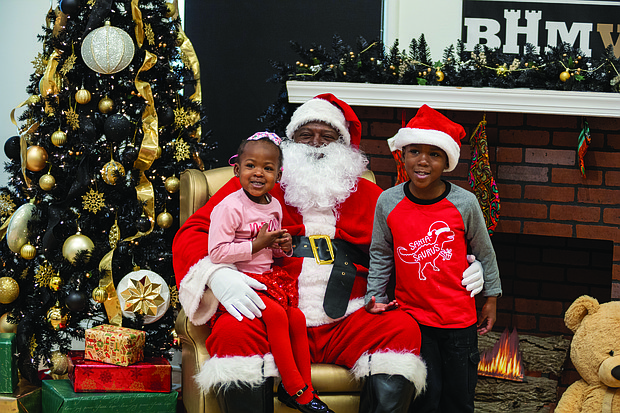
<point>8,363</point>
<point>59,397</point>
<point>115,345</point>
<point>25,399</point>
<point>153,374</point>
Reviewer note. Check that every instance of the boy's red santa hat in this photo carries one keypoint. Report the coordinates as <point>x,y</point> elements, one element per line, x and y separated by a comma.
<point>431,128</point>
<point>331,110</point>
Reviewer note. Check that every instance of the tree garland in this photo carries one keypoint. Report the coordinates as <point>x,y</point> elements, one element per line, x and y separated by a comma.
<point>563,67</point>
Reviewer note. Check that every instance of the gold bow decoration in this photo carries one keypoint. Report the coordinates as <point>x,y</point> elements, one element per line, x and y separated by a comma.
<point>143,296</point>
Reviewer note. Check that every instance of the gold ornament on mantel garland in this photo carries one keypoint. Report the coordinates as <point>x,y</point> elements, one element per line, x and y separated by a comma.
<point>93,201</point>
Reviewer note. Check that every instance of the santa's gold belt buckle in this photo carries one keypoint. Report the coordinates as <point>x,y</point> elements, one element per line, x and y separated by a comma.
<point>315,251</point>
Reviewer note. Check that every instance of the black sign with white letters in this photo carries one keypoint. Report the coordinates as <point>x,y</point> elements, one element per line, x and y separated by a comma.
<point>590,25</point>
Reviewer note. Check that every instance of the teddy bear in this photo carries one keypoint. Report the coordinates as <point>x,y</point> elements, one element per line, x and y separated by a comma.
<point>595,352</point>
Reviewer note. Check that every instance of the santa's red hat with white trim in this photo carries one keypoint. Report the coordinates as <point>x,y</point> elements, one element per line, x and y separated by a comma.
<point>431,128</point>
<point>331,110</point>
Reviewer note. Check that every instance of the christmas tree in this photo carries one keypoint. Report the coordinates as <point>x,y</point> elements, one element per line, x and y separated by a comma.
<point>91,208</point>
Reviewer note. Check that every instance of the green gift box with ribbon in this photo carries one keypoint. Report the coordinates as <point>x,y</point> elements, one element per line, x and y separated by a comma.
<point>59,397</point>
<point>8,363</point>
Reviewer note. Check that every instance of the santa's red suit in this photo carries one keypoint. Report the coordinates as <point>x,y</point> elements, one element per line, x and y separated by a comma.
<point>368,344</point>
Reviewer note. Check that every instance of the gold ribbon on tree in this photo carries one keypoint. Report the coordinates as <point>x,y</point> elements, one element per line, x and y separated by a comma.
<point>136,14</point>
<point>144,190</point>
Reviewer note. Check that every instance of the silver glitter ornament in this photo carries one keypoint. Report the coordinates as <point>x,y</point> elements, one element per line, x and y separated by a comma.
<point>107,49</point>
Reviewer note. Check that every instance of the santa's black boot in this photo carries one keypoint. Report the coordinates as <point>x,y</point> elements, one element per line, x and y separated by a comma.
<point>247,399</point>
<point>384,393</point>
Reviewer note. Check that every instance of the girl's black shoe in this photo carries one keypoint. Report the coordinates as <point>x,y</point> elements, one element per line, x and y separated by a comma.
<point>314,406</point>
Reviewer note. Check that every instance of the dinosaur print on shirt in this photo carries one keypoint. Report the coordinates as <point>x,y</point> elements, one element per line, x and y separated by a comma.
<point>429,249</point>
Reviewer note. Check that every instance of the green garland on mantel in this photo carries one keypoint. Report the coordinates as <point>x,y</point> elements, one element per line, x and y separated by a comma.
<point>563,67</point>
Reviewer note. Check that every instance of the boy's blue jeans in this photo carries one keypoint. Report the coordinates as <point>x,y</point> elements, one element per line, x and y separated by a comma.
<point>451,357</point>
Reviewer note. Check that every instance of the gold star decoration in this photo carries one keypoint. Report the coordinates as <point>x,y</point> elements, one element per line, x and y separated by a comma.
<point>73,119</point>
<point>181,150</point>
<point>174,296</point>
<point>33,346</point>
<point>142,296</point>
<point>7,206</point>
<point>44,273</point>
<point>148,32</point>
<point>68,65</point>
<point>39,63</point>
<point>93,201</point>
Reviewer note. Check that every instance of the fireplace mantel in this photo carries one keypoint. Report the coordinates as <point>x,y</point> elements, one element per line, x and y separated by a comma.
<point>554,102</point>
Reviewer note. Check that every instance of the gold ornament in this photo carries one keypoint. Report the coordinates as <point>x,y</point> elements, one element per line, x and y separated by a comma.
<point>181,150</point>
<point>36,157</point>
<point>172,184</point>
<point>68,65</point>
<point>6,326</point>
<point>44,273</point>
<point>59,138</point>
<point>502,70</point>
<point>564,76</point>
<point>60,363</point>
<point>164,220</point>
<point>82,96</point>
<point>174,296</point>
<point>439,76</point>
<point>9,290</point>
<point>107,49</point>
<point>28,252</point>
<point>100,295</point>
<point>47,182</point>
<point>7,206</point>
<point>73,119</point>
<point>93,201</point>
<point>142,296</point>
<point>111,171</point>
<point>182,118</point>
<point>148,33</point>
<point>39,64</point>
<point>77,243</point>
<point>57,317</point>
<point>106,105</point>
<point>115,234</point>
<point>55,282</point>
<point>17,232</point>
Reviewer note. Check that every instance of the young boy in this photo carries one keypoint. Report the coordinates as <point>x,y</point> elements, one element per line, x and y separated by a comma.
<point>422,230</point>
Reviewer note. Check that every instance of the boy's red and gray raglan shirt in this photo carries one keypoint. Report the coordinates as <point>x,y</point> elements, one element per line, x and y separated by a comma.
<point>426,243</point>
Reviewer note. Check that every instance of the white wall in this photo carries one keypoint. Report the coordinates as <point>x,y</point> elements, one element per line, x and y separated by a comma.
<point>439,20</point>
<point>20,23</point>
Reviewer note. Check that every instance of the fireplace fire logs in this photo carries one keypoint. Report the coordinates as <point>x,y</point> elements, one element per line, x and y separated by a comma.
<point>531,386</point>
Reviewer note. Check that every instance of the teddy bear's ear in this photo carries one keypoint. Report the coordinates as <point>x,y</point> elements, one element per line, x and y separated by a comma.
<point>581,307</point>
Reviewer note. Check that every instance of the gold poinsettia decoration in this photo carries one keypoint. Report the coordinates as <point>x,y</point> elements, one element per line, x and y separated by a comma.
<point>142,296</point>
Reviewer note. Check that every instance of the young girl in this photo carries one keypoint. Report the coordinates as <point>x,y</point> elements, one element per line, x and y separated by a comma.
<point>246,231</point>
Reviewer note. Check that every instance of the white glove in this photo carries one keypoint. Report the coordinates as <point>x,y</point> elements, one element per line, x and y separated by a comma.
<point>235,291</point>
<point>473,276</point>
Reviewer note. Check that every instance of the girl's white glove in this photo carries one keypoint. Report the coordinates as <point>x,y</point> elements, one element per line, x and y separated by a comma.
<point>473,276</point>
<point>235,291</point>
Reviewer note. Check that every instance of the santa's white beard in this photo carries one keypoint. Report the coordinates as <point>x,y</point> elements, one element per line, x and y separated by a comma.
<point>320,177</point>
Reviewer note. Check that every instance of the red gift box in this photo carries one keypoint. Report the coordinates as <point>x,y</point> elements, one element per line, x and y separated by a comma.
<point>153,374</point>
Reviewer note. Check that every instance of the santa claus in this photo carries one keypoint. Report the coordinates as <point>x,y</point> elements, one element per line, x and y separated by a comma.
<point>326,206</point>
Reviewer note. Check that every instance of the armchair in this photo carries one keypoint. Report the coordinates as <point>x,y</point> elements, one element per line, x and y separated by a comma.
<point>334,383</point>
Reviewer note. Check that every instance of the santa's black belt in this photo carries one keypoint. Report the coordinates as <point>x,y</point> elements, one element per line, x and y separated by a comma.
<point>342,255</point>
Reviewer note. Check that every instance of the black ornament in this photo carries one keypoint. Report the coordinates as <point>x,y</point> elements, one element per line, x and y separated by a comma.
<point>69,7</point>
<point>165,116</point>
<point>87,129</point>
<point>12,147</point>
<point>76,301</point>
<point>143,224</point>
<point>117,127</point>
<point>130,155</point>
